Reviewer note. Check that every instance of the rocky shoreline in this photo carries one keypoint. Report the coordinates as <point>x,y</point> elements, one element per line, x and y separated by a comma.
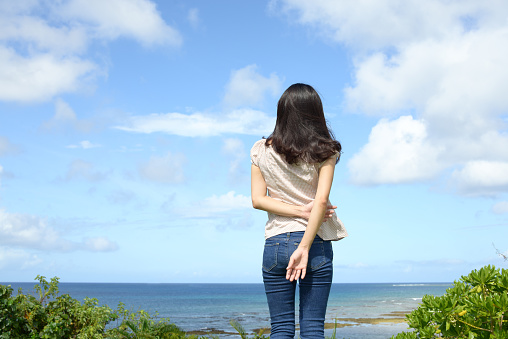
<point>391,318</point>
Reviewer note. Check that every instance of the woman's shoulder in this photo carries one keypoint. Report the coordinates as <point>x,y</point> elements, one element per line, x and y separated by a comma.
<point>257,145</point>
<point>256,150</point>
<point>259,142</point>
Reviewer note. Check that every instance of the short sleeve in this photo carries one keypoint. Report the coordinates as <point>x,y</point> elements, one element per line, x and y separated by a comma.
<point>336,156</point>
<point>255,150</point>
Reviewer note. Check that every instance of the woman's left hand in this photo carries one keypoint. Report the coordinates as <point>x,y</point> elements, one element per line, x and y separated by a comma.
<point>306,209</point>
<point>297,267</point>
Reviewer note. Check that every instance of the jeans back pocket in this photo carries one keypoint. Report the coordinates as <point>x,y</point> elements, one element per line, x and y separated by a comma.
<point>320,252</point>
<point>270,256</point>
<point>317,256</point>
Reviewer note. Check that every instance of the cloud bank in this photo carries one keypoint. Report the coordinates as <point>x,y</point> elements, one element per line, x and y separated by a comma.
<point>22,231</point>
<point>241,121</point>
<point>247,87</point>
<point>436,75</point>
<point>44,45</point>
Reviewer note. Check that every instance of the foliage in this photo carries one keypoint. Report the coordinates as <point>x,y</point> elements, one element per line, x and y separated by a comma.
<point>49,315</point>
<point>476,307</point>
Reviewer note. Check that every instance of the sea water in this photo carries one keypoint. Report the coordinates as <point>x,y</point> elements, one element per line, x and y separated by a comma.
<point>206,307</point>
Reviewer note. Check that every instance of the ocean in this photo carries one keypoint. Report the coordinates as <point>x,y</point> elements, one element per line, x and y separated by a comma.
<point>207,307</point>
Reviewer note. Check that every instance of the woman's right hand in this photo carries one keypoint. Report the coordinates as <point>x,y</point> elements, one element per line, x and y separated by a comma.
<point>297,267</point>
<point>306,209</point>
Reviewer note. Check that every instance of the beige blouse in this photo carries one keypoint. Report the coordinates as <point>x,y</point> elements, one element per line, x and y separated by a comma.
<point>292,184</point>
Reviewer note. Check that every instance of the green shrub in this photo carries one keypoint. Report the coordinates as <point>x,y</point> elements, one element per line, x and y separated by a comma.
<point>11,324</point>
<point>49,315</point>
<point>476,307</point>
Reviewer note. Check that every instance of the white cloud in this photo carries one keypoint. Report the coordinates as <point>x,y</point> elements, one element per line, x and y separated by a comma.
<point>240,121</point>
<point>378,24</point>
<point>481,178</point>
<point>443,62</point>
<point>166,169</point>
<point>227,207</point>
<point>34,31</point>
<point>247,87</point>
<point>32,232</point>
<point>85,144</point>
<point>397,151</point>
<point>17,259</point>
<point>29,231</point>
<point>138,19</point>
<point>40,76</point>
<point>456,87</point>
<point>43,56</point>
<point>226,202</point>
<point>500,207</point>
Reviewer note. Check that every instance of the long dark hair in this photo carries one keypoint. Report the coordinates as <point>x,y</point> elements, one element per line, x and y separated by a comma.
<point>301,133</point>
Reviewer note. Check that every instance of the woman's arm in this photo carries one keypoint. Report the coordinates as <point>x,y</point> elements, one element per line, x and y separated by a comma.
<point>261,201</point>
<point>297,266</point>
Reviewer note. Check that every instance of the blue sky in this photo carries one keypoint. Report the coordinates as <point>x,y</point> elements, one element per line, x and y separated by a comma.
<point>126,126</point>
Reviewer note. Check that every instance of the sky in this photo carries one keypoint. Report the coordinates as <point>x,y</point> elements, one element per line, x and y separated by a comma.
<point>126,127</point>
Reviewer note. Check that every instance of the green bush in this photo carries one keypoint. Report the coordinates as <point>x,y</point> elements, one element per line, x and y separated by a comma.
<point>49,315</point>
<point>476,307</point>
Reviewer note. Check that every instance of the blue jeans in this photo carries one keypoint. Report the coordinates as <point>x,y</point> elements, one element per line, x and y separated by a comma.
<point>314,288</point>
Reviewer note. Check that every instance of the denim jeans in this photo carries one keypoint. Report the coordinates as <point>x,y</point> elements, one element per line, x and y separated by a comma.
<point>314,288</point>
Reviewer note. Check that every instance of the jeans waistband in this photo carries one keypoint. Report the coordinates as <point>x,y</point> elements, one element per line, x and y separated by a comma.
<point>291,236</point>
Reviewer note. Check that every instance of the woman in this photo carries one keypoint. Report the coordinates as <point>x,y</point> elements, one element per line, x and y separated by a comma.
<point>295,164</point>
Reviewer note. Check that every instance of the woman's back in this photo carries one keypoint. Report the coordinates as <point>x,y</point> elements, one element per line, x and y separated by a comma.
<point>294,184</point>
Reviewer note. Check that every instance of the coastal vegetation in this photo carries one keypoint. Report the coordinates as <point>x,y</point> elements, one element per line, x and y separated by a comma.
<point>48,315</point>
<point>476,307</point>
